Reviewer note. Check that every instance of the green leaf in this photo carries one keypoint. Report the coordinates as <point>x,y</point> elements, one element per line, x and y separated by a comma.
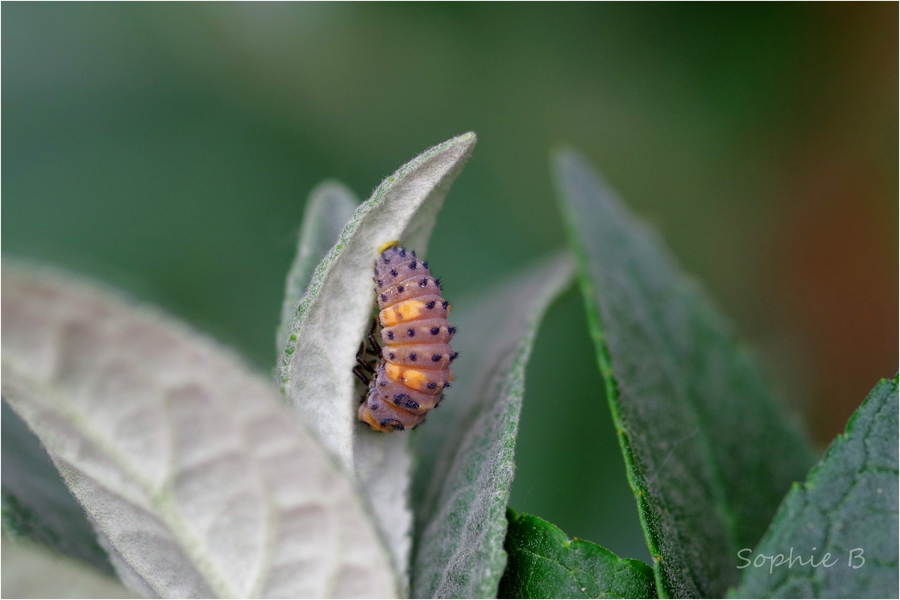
<point>544,563</point>
<point>334,316</point>
<point>708,454</point>
<point>36,502</point>
<point>197,478</point>
<point>330,206</point>
<point>835,536</point>
<point>32,571</point>
<point>466,451</point>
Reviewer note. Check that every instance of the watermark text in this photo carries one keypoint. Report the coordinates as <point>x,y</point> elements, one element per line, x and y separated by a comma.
<point>854,559</point>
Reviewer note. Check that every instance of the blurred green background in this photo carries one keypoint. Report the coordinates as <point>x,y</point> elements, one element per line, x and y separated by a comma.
<point>169,148</point>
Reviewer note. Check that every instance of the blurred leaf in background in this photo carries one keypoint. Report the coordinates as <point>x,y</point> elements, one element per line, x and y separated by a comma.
<point>169,148</point>
<point>26,566</point>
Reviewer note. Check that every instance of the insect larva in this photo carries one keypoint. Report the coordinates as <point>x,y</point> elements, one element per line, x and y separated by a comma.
<point>414,367</point>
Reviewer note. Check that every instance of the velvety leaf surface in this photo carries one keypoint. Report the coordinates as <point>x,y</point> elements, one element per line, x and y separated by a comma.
<point>198,480</point>
<point>334,316</point>
<point>330,206</point>
<point>544,563</point>
<point>835,535</point>
<point>465,451</point>
<point>709,456</point>
<point>36,502</point>
<point>33,571</point>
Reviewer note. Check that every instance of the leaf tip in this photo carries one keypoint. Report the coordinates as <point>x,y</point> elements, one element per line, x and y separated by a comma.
<point>466,140</point>
<point>563,153</point>
<point>469,137</point>
<point>331,185</point>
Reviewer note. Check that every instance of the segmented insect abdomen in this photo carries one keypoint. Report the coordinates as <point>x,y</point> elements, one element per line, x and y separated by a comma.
<point>415,360</point>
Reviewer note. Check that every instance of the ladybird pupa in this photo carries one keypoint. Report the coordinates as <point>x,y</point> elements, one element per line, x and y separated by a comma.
<point>414,367</point>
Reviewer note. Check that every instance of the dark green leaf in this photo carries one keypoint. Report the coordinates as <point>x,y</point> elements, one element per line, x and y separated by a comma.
<point>835,536</point>
<point>708,454</point>
<point>36,502</point>
<point>544,563</point>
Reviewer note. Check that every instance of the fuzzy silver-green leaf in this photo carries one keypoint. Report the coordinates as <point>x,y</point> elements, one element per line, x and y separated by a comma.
<point>197,478</point>
<point>36,502</point>
<point>329,208</point>
<point>466,452</point>
<point>335,314</point>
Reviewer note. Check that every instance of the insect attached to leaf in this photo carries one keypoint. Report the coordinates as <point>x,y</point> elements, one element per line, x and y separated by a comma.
<point>414,356</point>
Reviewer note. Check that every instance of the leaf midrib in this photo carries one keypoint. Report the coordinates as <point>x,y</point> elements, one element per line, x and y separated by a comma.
<point>611,388</point>
<point>160,500</point>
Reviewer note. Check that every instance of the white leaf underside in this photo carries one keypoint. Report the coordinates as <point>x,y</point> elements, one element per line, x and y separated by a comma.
<point>196,478</point>
<point>334,316</point>
<point>36,501</point>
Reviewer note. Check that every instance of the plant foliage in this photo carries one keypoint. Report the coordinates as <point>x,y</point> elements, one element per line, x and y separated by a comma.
<point>835,534</point>
<point>708,454</point>
<point>544,563</point>
<point>141,447</point>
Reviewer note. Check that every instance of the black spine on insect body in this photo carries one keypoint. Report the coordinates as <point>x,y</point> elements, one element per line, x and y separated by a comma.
<point>414,368</point>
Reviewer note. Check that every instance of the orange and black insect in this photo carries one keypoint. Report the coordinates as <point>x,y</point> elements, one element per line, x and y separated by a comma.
<point>414,367</point>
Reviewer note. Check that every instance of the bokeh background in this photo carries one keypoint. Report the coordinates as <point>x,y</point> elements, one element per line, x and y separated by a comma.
<point>169,149</point>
